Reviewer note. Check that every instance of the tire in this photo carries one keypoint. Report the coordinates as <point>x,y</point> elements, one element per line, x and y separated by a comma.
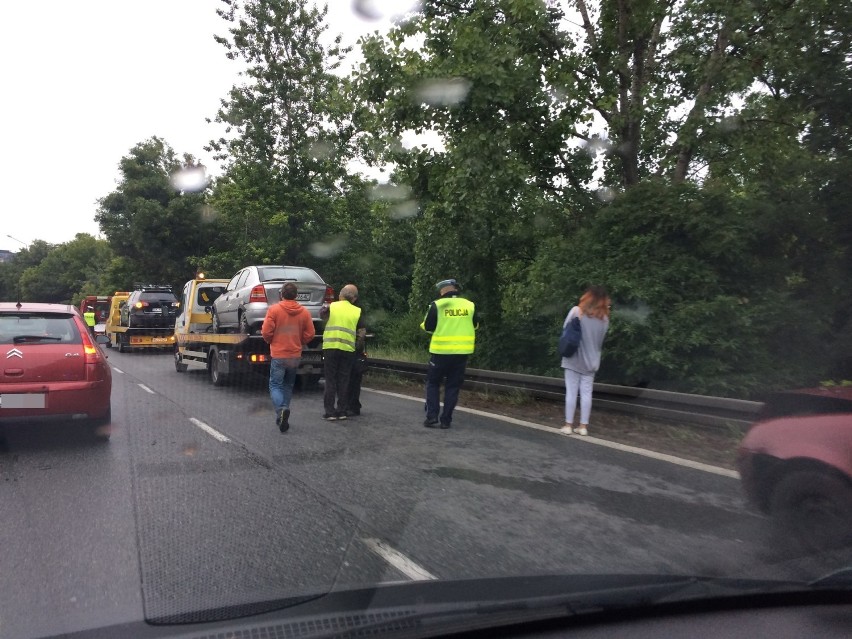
<point>214,319</point>
<point>122,347</point>
<point>101,427</point>
<point>180,367</point>
<point>217,377</point>
<point>243,325</point>
<point>813,509</point>
<point>309,382</point>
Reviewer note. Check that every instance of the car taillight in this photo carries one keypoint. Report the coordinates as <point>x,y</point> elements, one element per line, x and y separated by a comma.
<point>92,357</point>
<point>140,304</point>
<point>258,294</point>
<point>329,295</point>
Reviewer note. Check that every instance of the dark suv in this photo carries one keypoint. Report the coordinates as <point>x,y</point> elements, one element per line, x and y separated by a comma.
<point>150,307</point>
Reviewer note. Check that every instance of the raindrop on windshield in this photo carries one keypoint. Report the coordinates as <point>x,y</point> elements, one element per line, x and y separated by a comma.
<point>606,194</point>
<point>379,9</point>
<point>446,92</point>
<point>328,248</point>
<point>192,179</point>
<point>404,210</point>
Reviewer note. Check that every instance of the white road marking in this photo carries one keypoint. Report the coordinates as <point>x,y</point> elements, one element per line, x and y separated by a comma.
<point>118,370</point>
<point>146,389</point>
<point>707,468</point>
<point>406,566</point>
<point>209,430</point>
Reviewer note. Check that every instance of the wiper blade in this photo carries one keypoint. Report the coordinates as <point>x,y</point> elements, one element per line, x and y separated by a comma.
<point>25,338</point>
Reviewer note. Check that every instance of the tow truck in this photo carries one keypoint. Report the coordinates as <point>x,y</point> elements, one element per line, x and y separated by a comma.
<point>227,356</point>
<point>100,304</point>
<point>127,338</point>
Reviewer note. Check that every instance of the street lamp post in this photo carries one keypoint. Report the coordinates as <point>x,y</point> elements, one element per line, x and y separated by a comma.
<point>24,244</point>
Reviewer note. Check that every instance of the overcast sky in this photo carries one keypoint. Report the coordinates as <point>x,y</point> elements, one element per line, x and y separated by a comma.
<point>84,81</point>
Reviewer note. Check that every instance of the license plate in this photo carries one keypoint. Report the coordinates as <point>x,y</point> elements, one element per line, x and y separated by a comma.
<point>156,310</point>
<point>303,297</point>
<point>161,340</point>
<point>22,400</point>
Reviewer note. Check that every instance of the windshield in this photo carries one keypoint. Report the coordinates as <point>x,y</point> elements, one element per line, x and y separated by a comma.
<point>553,299</point>
<point>277,273</point>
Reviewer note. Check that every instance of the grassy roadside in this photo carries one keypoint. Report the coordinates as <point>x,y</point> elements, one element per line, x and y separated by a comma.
<point>708,445</point>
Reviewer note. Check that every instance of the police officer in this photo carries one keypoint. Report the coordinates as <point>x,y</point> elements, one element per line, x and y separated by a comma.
<point>452,322</point>
<point>89,317</point>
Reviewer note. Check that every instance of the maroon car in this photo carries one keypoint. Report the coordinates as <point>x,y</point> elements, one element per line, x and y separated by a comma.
<point>796,465</point>
<point>51,367</point>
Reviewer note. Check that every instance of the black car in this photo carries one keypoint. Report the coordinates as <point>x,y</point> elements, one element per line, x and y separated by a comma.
<point>150,307</point>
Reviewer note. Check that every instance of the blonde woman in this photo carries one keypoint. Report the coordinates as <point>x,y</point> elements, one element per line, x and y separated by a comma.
<point>580,368</point>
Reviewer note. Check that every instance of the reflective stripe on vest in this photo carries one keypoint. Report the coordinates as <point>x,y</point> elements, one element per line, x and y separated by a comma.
<point>454,333</point>
<point>340,332</point>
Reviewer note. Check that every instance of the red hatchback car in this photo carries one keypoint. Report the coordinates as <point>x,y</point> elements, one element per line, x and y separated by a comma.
<point>796,465</point>
<point>51,367</point>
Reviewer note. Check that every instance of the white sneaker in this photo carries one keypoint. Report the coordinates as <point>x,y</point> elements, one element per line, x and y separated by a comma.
<point>581,431</point>
<point>567,429</point>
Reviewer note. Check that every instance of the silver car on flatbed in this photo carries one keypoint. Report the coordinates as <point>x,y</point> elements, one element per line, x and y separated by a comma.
<point>242,307</point>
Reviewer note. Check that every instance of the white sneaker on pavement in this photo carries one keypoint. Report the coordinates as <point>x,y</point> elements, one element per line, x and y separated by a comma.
<point>567,429</point>
<point>581,431</point>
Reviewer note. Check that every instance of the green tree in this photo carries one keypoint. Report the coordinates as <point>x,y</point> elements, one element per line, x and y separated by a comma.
<point>285,151</point>
<point>158,230</point>
<point>69,272</point>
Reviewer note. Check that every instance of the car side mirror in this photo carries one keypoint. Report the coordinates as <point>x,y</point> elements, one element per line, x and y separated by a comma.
<point>208,310</point>
<point>102,339</point>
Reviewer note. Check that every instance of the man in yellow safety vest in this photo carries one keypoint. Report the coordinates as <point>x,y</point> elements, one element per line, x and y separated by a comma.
<point>344,332</point>
<point>452,322</point>
<point>89,317</point>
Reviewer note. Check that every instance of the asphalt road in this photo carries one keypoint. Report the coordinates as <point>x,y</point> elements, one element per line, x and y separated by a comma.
<point>199,507</point>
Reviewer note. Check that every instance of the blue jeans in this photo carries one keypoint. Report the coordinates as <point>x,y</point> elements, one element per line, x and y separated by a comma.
<point>282,377</point>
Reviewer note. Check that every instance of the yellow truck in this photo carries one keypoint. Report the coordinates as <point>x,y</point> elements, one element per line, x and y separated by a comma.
<point>227,356</point>
<point>126,338</point>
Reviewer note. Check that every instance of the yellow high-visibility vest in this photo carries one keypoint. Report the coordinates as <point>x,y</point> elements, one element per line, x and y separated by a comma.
<point>455,333</point>
<point>340,331</point>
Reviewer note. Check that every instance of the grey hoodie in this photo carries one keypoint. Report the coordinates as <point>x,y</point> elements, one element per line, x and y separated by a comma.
<point>587,359</point>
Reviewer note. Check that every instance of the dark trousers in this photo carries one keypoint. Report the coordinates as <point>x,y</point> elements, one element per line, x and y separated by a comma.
<point>450,370</point>
<point>337,368</point>
<point>355,384</point>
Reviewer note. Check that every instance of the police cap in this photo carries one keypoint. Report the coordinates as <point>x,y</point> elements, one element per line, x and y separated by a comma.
<point>444,283</point>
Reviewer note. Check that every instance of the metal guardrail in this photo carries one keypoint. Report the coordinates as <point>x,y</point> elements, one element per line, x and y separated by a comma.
<point>658,404</point>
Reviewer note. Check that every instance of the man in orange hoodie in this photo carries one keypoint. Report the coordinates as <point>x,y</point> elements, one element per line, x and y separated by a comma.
<point>286,328</point>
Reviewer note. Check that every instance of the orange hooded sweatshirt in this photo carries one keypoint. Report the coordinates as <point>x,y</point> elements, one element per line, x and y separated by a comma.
<point>286,328</point>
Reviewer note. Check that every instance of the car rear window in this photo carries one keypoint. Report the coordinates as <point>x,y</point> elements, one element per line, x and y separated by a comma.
<point>295,274</point>
<point>160,296</point>
<point>38,328</point>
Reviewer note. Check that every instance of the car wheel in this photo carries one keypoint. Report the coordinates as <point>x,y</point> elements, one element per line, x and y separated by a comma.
<point>101,427</point>
<point>813,508</point>
<point>244,327</point>
<point>217,377</point>
<point>309,382</point>
<point>214,318</point>
<point>180,367</point>
<point>122,347</point>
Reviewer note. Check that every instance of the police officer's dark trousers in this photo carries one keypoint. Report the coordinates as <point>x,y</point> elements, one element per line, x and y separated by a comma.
<point>449,368</point>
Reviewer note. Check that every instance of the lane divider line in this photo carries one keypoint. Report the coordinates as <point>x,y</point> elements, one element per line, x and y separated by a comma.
<point>688,463</point>
<point>146,389</point>
<point>118,370</point>
<point>403,564</point>
<point>215,434</point>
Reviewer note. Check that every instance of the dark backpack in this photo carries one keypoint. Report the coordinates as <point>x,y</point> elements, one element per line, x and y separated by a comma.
<point>569,341</point>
